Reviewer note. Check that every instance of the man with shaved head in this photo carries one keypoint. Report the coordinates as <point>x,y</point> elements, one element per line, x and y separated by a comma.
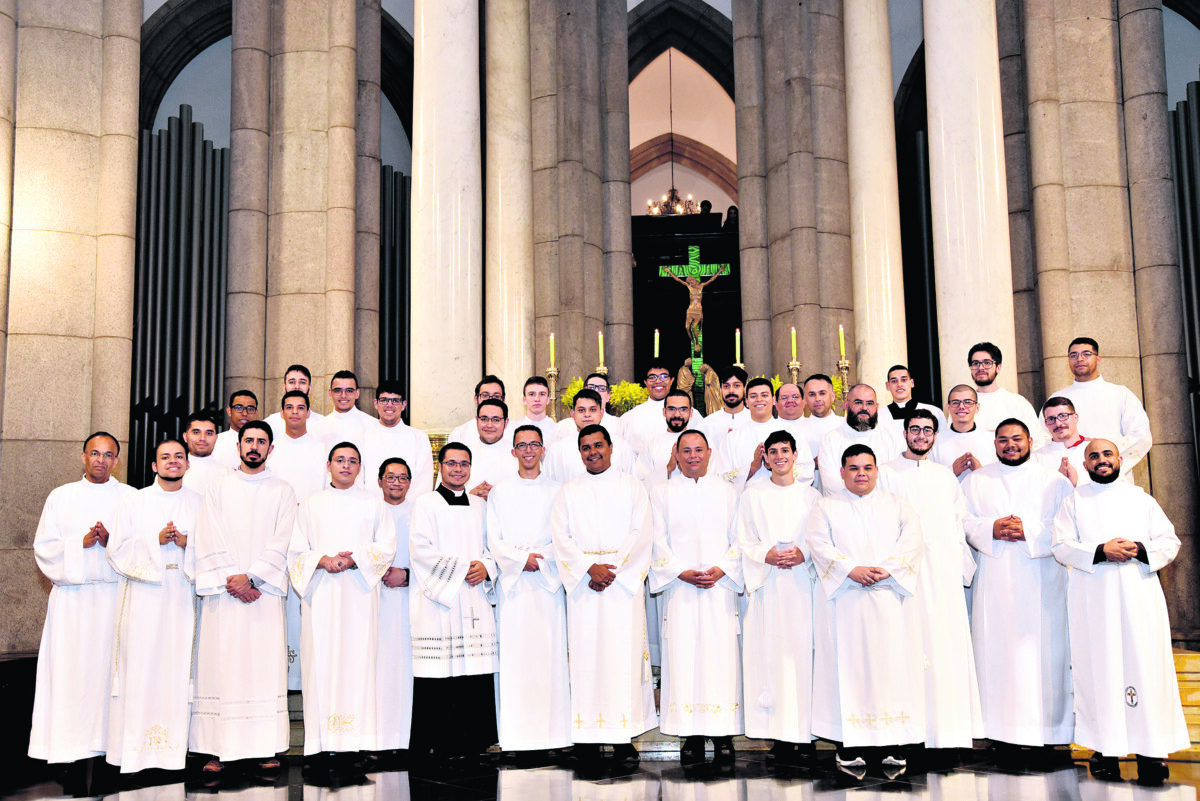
<point>861,427</point>
<point>1115,538</point>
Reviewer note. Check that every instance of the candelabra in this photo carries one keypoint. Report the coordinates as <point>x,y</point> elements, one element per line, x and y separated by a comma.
<point>794,371</point>
<point>602,369</point>
<point>843,366</point>
<point>552,377</point>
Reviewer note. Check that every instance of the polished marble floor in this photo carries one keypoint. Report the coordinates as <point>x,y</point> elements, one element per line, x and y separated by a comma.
<point>750,778</point>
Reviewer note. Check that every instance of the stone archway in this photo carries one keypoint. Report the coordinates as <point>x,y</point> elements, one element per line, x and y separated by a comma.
<point>692,27</point>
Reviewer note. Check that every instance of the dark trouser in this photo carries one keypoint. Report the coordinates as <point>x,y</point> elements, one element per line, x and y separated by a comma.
<point>453,717</point>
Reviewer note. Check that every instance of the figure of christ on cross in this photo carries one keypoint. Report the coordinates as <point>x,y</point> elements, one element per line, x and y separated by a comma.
<point>695,313</point>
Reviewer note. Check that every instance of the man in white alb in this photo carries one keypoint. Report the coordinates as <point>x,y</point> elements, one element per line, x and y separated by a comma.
<point>644,422</point>
<point>868,677</point>
<point>393,667</point>
<point>819,398</point>
<point>390,437</point>
<point>562,455</point>
<point>1019,603</point>
<point>861,427</point>
<point>733,393</point>
<point>1064,451</point>
<point>740,458</point>
<point>70,701</point>
<point>1106,410</point>
<point>152,667</point>
<point>238,561</point>
<point>535,396</point>
<point>777,636</point>
<point>346,422</point>
<point>490,387</point>
<point>602,541</point>
<point>568,430</point>
<point>1115,538</point>
<point>242,408</point>
<point>200,437</point>
<point>657,459</point>
<point>531,608</point>
<point>900,386</point>
<point>491,448</point>
<point>455,654</point>
<point>996,403</point>
<point>298,456</point>
<point>963,446</point>
<point>696,567</point>
<point>952,711</point>
<point>342,544</point>
<point>296,378</point>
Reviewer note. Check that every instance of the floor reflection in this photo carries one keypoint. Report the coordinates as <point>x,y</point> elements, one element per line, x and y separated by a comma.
<point>749,779</point>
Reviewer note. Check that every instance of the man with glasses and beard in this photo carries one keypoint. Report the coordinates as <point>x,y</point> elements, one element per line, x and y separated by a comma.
<point>391,437</point>
<point>1064,451</point>
<point>995,402</point>
<point>1115,538</point>
<point>861,428</point>
<point>644,422</point>
<point>1019,603</point>
<point>657,459</point>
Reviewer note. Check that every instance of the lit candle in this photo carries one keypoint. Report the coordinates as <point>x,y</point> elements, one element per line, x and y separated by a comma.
<point>842,340</point>
<point>656,343</point>
<point>793,343</point>
<point>737,346</point>
<point>551,349</point>
<point>600,335</point>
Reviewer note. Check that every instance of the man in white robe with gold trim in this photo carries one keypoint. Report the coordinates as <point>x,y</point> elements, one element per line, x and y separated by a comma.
<point>868,674</point>
<point>151,702</point>
<point>602,541</point>
<point>695,565</point>
<point>342,544</point>
<point>739,459</point>
<point>1115,539</point>
<point>393,666</point>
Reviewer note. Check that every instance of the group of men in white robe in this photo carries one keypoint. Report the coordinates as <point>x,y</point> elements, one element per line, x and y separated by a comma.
<point>805,572</point>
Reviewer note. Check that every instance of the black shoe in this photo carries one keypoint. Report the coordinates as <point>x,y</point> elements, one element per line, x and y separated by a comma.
<point>625,752</point>
<point>692,751</point>
<point>1104,768</point>
<point>723,751</point>
<point>1152,771</point>
<point>781,753</point>
<point>585,753</point>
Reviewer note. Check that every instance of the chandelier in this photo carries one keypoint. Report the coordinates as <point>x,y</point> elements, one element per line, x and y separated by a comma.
<point>671,203</point>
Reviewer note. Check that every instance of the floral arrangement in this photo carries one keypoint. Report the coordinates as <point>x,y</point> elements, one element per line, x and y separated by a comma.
<point>776,381</point>
<point>567,393</point>
<point>623,396</point>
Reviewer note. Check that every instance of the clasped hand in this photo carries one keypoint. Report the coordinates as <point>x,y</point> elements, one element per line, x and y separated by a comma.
<point>704,579</point>
<point>867,576</point>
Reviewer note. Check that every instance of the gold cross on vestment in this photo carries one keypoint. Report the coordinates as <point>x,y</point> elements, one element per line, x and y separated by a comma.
<point>600,721</point>
<point>579,721</point>
<point>624,722</point>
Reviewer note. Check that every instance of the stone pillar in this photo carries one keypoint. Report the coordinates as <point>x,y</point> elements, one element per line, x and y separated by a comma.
<point>778,19</point>
<point>8,91</point>
<point>341,186</point>
<point>877,273</point>
<point>508,266</point>
<point>614,189</point>
<point>967,177</point>
<point>806,283</point>
<point>543,90</point>
<point>447,213</point>
<point>752,184</point>
<point>587,17</point>
<point>367,204</point>
<point>249,141</point>
<point>1157,284</point>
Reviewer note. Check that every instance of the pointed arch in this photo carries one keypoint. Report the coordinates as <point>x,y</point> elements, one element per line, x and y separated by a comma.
<point>692,27</point>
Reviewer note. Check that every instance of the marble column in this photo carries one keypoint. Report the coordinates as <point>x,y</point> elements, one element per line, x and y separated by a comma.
<point>367,203</point>
<point>587,18</point>
<point>447,214</point>
<point>876,269</point>
<point>341,199</point>
<point>777,21</point>
<point>8,91</point>
<point>576,336</point>
<point>614,189</point>
<point>1158,294</point>
<point>806,281</point>
<point>508,257</point>
<point>967,184</point>
<point>752,184</point>
<point>543,92</point>
<point>249,140</point>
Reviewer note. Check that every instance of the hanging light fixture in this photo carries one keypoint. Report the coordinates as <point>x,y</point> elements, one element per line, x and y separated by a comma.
<point>671,203</point>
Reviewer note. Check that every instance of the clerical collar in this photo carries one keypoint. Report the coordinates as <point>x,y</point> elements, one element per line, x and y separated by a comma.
<point>898,411</point>
<point>453,498</point>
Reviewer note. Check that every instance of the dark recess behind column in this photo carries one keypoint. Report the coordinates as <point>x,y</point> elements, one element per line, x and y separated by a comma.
<point>394,265</point>
<point>1185,163</point>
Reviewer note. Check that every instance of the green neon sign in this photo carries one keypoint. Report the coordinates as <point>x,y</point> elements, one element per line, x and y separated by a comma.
<point>693,266</point>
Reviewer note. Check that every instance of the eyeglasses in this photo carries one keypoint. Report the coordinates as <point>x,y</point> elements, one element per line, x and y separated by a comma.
<point>525,447</point>
<point>597,387</point>
<point>916,430</point>
<point>490,396</point>
<point>962,404</point>
<point>241,409</point>
<point>456,464</point>
<point>981,363</point>
<point>104,455</point>
<point>658,377</point>
<point>1058,418</point>
<point>389,401</point>
<point>491,420</point>
<point>344,390</point>
<point>1080,355</point>
<point>394,479</point>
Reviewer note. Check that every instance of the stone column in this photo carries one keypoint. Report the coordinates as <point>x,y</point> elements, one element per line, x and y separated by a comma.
<point>576,336</point>
<point>341,86</point>
<point>249,140</point>
<point>878,276</point>
<point>8,91</point>
<point>806,283</point>
<point>587,18</point>
<point>777,22</point>
<point>367,211</point>
<point>543,90</point>
<point>1156,278</point>
<point>508,266</point>
<point>752,184</point>
<point>967,177</point>
<point>447,213</point>
<point>614,189</point>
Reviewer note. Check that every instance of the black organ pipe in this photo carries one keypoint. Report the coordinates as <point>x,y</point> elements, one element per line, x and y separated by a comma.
<point>1185,163</point>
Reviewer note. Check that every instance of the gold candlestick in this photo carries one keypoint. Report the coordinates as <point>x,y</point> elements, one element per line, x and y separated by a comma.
<point>602,369</point>
<point>552,377</point>
<point>843,366</point>
<point>794,371</point>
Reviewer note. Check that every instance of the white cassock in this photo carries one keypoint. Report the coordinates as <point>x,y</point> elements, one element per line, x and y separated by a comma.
<point>777,637</point>
<point>732,461</point>
<point>1051,455</point>
<point>545,425</point>
<point>340,614</point>
<point>1113,412</point>
<point>893,418</point>
<point>1019,606</point>
<point>814,430</point>
<point>393,667</point>
<point>645,421</point>
<point>995,407</point>
<point>225,451</point>
<point>493,462</point>
<point>244,527</point>
<point>534,692</point>
<point>156,626</point>
<point>303,463</point>
<point>718,425</point>
<point>70,702</point>
<point>952,712</point>
<point>1122,667</point>
<point>651,466</point>
<point>453,626</point>
<point>564,463</point>
<point>829,458</point>
<point>279,425</point>
<point>950,444</point>
<point>345,427</point>
<point>694,524</point>
<point>868,678</point>
<point>605,519</point>
<point>381,443</point>
<point>201,472</point>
